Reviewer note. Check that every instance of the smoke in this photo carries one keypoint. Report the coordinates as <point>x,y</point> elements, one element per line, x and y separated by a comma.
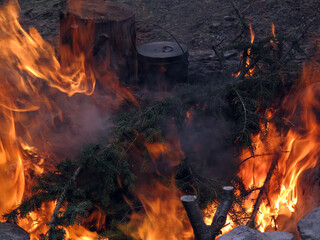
<point>67,124</point>
<point>206,141</point>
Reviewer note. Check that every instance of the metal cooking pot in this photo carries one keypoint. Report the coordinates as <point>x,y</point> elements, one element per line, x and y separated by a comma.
<point>161,65</point>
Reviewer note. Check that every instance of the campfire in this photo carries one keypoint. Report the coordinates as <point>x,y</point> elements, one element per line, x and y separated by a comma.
<point>55,102</point>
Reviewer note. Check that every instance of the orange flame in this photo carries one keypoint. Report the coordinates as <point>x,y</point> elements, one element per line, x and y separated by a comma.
<point>250,71</point>
<point>29,69</point>
<point>273,30</point>
<point>251,34</point>
<point>209,213</point>
<point>31,76</point>
<point>296,152</point>
<point>165,217</point>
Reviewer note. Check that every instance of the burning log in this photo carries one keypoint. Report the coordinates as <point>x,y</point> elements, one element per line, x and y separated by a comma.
<point>201,230</point>
<point>105,32</point>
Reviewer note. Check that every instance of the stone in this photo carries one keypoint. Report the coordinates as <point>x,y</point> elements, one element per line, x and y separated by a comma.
<point>9,231</point>
<point>243,233</point>
<point>308,226</point>
<point>229,18</point>
<point>246,233</point>
<point>278,235</point>
<point>230,53</point>
<point>215,24</point>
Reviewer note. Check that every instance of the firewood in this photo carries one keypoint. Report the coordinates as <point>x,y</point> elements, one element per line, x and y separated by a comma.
<point>201,230</point>
<point>111,25</point>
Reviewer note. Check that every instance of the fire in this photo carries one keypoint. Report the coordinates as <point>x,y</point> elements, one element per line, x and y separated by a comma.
<point>251,70</point>
<point>295,152</point>
<point>33,58</point>
<point>31,76</point>
<point>209,213</point>
<point>31,81</point>
<point>164,216</point>
<point>247,59</point>
<point>251,35</point>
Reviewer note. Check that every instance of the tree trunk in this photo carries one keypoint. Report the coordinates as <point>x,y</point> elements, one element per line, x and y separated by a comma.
<point>105,32</point>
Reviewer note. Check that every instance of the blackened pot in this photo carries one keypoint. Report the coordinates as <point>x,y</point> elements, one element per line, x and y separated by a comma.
<point>161,65</point>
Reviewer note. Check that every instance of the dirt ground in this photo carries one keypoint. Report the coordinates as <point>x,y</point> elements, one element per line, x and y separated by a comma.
<point>200,24</point>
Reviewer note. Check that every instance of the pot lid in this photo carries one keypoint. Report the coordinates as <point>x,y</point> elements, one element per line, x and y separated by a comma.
<point>162,52</point>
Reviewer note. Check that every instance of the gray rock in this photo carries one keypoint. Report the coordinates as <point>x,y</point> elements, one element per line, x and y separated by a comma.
<point>230,53</point>
<point>278,235</point>
<point>10,231</point>
<point>246,233</point>
<point>215,24</point>
<point>309,225</point>
<point>229,18</point>
<point>243,233</point>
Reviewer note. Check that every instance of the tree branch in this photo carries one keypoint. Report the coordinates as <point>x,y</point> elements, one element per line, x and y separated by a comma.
<point>201,230</point>
<point>244,110</point>
<point>262,191</point>
<point>61,199</point>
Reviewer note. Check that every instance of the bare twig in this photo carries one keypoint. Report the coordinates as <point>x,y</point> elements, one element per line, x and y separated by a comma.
<point>253,156</point>
<point>245,26</point>
<point>263,190</point>
<point>287,121</point>
<point>244,110</point>
<point>246,70</point>
<point>218,55</point>
<point>236,9</point>
<point>252,190</point>
<point>302,35</point>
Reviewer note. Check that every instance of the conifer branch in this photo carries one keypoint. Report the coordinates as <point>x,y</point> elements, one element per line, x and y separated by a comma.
<point>61,199</point>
